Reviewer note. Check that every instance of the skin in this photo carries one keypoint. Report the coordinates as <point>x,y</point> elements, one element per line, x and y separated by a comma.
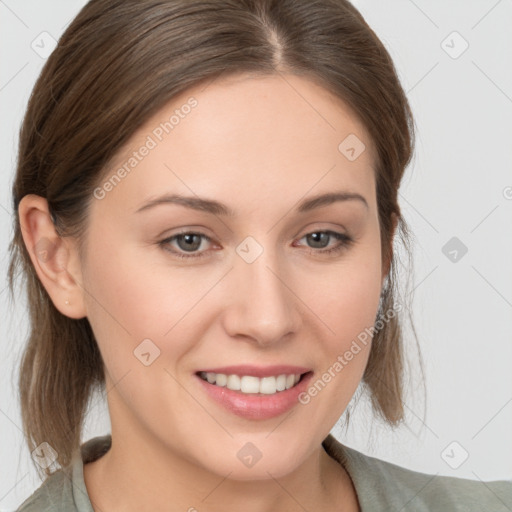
<point>257,145</point>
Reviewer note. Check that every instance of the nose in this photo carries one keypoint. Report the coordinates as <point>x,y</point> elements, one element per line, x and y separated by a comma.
<point>262,305</point>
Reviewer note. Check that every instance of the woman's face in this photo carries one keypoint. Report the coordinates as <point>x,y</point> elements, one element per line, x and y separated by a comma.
<point>264,278</point>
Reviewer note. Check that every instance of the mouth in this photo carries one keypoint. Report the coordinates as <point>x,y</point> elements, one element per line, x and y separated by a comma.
<point>255,393</point>
<point>252,385</point>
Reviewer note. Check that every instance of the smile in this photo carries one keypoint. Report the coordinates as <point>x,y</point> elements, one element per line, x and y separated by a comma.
<point>249,384</point>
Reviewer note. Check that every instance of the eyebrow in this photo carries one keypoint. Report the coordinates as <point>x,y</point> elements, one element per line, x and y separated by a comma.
<point>217,208</point>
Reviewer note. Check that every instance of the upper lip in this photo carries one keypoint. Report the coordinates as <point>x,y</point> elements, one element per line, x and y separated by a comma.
<point>258,371</point>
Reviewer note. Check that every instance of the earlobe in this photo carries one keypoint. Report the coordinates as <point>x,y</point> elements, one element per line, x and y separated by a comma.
<point>54,258</point>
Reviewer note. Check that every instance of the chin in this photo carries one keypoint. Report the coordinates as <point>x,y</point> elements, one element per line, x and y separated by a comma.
<point>247,460</point>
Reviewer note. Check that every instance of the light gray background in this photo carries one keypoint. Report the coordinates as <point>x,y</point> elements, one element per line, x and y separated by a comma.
<point>459,185</point>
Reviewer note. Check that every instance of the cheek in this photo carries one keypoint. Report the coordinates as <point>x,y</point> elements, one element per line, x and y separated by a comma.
<point>128,301</point>
<point>132,310</point>
<point>127,292</point>
<point>346,295</point>
<point>346,301</point>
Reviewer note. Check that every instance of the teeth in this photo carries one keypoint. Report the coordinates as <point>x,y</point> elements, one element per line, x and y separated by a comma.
<point>221,380</point>
<point>250,384</point>
<point>233,382</point>
<point>281,383</point>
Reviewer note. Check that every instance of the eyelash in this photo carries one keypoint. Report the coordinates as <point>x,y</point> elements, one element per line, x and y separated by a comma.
<point>345,242</point>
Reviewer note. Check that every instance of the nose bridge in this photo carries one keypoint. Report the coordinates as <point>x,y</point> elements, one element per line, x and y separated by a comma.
<point>263,305</point>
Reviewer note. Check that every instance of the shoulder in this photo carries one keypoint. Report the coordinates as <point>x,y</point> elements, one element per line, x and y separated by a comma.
<point>52,496</point>
<point>65,490</point>
<point>380,483</point>
<point>424,492</point>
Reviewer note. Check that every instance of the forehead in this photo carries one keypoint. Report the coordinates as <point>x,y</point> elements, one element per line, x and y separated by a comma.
<point>266,136</point>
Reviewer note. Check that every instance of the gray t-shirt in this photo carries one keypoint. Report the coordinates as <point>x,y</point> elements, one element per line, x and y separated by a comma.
<point>380,485</point>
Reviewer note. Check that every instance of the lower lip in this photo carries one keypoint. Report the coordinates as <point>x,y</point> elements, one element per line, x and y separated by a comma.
<point>256,406</point>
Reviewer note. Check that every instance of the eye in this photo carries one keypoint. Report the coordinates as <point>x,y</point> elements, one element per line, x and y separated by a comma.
<point>320,240</point>
<point>187,244</point>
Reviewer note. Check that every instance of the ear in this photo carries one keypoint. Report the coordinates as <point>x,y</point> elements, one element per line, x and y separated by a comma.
<point>387,263</point>
<point>55,258</point>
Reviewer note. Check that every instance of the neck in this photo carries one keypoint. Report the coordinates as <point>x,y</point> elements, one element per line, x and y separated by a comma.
<point>136,474</point>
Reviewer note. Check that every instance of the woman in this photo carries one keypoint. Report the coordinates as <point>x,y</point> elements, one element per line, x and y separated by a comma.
<point>206,203</point>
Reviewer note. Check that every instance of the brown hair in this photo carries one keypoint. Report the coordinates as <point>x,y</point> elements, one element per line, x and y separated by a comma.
<point>118,63</point>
